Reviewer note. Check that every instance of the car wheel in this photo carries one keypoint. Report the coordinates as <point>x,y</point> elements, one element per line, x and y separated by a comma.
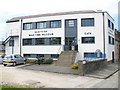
<point>14,64</point>
<point>5,64</point>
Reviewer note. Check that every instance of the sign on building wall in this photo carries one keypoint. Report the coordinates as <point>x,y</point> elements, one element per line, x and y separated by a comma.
<point>41,33</point>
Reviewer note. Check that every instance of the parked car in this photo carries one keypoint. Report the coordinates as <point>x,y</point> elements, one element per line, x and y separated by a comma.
<point>13,60</point>
<point>1,59</point>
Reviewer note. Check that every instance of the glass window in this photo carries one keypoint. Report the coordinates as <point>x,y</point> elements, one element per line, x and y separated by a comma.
<point>41,25</point>
<point>39,41</point>
<point>110,24</point>
<point>71,23</point>
<point>27,26</point>
<point>11,43</point>
<point>87,22</point>
<point>88,39</point>
<point>113,41</point>
<point>27,41</point>
<point>55,24</point>
<point>55,41</point>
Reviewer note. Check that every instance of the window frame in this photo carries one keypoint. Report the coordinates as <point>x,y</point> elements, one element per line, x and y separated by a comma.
<point>88,42</point>
<point>84,20</point>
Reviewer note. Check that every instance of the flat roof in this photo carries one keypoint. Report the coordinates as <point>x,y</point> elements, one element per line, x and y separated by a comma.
<point>16,19</point>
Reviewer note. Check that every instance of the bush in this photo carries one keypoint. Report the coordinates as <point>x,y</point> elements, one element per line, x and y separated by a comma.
<point>47,61</point>
<point>74,66</point>
<point>31,61</point>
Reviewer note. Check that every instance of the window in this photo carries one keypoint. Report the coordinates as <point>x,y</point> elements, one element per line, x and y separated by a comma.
<point>88,39</point>
<point>89,55</point>
<point>27,41</point>
<point>11,43</point>
<point>55,41</point>
<point>27,26</point>
<point>110,24</point>
<point>71,23</point>
<point>41,25</point>
<point>87,22</point>
<point>54,55</point>
<point>17,56</point>
<point>110,40</point>
<point>39,41</point>
<point>55,24</point>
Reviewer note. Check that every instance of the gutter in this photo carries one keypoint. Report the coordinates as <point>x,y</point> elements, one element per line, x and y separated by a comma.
<point>103,35</point>
<point>21,37</point>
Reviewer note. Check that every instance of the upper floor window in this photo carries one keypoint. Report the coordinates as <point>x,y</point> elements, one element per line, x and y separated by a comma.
<point>88,39</point>
<point>110,40</point>
<point>71,23</point>
<point>55,24</point>
<point>27,26</point>
<point>41,25</point>
<point>110,24</point>
<point>87,22</point>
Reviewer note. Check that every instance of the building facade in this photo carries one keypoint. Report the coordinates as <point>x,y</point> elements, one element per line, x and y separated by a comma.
<point>2,49</point>
<point>117,46</point>
<point>47,35</point>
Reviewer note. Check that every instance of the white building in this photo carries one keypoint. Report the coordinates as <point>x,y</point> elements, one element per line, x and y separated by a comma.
<point>48,35</point>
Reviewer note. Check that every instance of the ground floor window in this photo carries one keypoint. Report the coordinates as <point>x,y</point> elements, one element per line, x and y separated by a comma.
<point>42,41</point>
<point>88,39</point>
<point>92,55</point>
<point>41,55</point>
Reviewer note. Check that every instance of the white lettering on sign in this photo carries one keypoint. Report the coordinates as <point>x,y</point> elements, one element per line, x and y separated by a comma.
<point>41,33</point>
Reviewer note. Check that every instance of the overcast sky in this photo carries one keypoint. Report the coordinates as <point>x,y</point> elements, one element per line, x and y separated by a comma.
<point>16,8</point>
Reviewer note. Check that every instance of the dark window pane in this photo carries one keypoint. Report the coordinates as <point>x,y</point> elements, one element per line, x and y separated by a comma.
<point>55,24</point>
<point>88,39</point>
<point>39,41</point>
<point>55,41</point>
<point>87,22</point>
<point>27,26</point>
<point>41,25</point>
<point>27,41</point>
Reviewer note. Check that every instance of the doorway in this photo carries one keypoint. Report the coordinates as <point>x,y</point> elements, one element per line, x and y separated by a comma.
<point>112,57</point>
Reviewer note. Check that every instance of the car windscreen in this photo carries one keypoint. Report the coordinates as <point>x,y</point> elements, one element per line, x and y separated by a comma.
<point>9,56</point>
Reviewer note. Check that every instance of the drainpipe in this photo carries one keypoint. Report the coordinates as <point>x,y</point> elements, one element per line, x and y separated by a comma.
<point>103,35</point>
<point>21,37</point>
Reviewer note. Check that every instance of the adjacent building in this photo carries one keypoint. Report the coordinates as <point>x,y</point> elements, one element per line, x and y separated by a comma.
<point>2,49</point>
<point>47,35</point>
<point>117,46</point>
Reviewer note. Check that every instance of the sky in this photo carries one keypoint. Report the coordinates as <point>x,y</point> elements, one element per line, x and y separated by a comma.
<point>16,8</point>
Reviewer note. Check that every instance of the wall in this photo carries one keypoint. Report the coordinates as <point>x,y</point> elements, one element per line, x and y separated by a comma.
<point>90,66</point>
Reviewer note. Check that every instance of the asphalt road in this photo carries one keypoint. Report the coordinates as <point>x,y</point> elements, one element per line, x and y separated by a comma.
<point>12,74</point>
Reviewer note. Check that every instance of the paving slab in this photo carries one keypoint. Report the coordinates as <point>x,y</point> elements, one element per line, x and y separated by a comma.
<point>51,68</point>
<point>104,72</point>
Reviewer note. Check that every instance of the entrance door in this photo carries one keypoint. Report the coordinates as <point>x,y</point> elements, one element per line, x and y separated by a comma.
<point>112,57</point>
<point>68,43</point>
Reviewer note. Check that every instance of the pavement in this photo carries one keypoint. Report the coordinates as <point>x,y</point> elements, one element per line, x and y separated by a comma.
<point>103,73</point>
<point>46,79</point>
<point>51,68</point>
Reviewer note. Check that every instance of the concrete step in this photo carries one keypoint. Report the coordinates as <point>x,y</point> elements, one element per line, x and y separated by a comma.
<point>66,58</point>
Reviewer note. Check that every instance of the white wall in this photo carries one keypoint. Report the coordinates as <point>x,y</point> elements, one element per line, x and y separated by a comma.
<point>96,31</point>
<point>109,32</point>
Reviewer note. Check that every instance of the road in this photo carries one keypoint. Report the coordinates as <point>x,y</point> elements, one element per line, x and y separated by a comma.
<point>17,75</point>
